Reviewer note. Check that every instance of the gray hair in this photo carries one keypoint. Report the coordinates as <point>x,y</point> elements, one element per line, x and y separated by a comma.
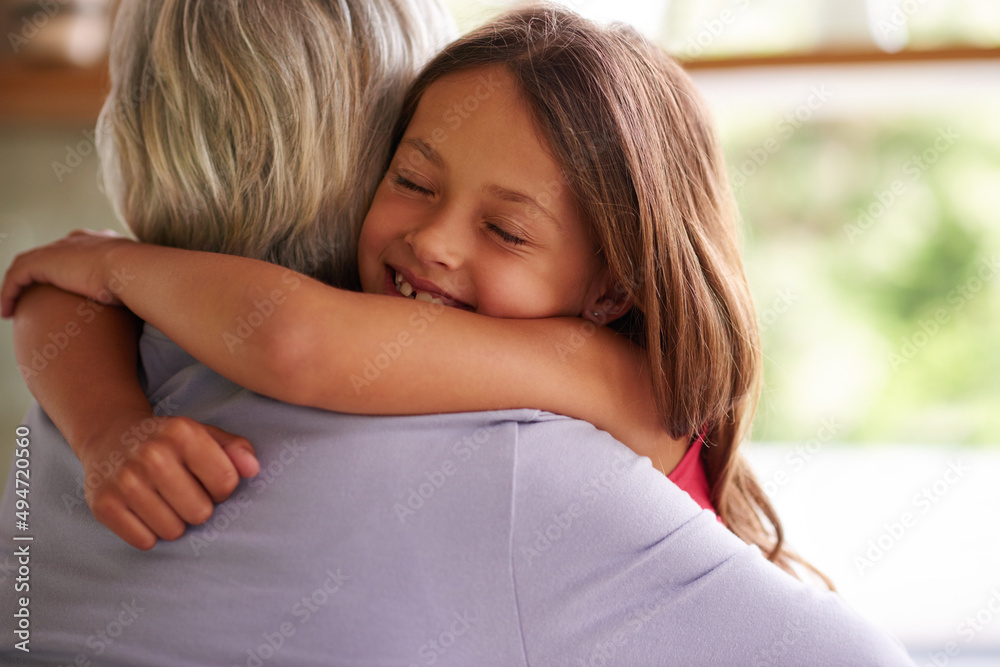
<point>259,128</point>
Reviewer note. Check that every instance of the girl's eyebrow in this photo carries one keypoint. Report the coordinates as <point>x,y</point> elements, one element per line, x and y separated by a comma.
<point>426,150</point>
<point>521,199</point>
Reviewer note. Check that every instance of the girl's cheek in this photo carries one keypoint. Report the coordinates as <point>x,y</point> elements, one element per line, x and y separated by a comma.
<point>377,227</point>
<point>513,294</point>
<point>366,243</point>
<point>371,245</point>
<point>387,218</point>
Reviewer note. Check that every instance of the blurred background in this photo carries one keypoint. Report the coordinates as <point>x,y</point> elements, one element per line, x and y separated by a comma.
<point>863,143</point>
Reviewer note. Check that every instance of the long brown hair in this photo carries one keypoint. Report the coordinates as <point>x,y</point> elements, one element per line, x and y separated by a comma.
<point>640,155</point>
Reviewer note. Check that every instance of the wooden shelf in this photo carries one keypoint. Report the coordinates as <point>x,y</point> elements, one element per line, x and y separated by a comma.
<point>845,58</point>
<point>51,95</point>
<point>56,95</point>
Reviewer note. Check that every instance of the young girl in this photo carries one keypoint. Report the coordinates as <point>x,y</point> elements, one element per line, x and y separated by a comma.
<point>543,168</point>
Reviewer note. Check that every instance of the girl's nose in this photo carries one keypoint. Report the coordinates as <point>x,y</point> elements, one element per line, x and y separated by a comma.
<point>438,240</point>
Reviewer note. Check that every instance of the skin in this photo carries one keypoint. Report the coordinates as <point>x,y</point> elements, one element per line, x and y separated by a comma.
<point>182,467</point>
<point>464,231</point>
<point>463,218</point>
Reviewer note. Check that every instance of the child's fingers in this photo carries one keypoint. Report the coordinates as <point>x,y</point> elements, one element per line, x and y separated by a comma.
<point>186,448</point>
<point>147,505</point>
<point>183,494</point>
<point>172,464</point>
<point>238,449</point>
<point>213,469</point>
<point>135,483</point>
<point>131,529</point>
<point>246,463</point>
<point>110,508</point>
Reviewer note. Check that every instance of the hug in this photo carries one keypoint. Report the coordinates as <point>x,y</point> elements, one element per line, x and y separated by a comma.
<point>319,157</point>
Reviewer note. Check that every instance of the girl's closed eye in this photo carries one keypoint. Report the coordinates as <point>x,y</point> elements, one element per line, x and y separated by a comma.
<point>504,235</point>
<point>407,184</point>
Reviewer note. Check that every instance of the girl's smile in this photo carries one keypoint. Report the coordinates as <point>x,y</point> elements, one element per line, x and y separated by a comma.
<point>403,284</point>
<point>475,213</point>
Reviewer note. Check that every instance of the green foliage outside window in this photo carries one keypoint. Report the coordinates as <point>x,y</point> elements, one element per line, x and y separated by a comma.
<point>873,250</point>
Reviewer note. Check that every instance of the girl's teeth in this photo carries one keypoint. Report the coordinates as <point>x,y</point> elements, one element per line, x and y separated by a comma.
<point>406,289</point>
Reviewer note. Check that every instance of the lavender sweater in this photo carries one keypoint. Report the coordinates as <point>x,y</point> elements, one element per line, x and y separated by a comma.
<point>499,538</point>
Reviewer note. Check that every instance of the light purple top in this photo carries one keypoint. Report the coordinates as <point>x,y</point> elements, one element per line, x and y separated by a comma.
<point>499,538</point>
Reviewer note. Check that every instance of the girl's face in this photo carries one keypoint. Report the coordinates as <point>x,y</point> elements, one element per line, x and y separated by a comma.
<point>474,211</point>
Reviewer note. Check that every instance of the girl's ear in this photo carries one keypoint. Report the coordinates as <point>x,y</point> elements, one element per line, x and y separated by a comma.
<point>606,300</point>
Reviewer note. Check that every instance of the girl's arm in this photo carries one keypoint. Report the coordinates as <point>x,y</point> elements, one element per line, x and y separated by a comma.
<point>145,476</point>
<point>295,339</point>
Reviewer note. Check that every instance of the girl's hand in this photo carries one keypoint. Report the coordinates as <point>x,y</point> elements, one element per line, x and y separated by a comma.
<point>147,479</point>
<point>77,263</point>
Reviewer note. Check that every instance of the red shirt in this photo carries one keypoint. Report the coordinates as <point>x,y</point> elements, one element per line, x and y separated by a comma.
<point>689,475</point>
